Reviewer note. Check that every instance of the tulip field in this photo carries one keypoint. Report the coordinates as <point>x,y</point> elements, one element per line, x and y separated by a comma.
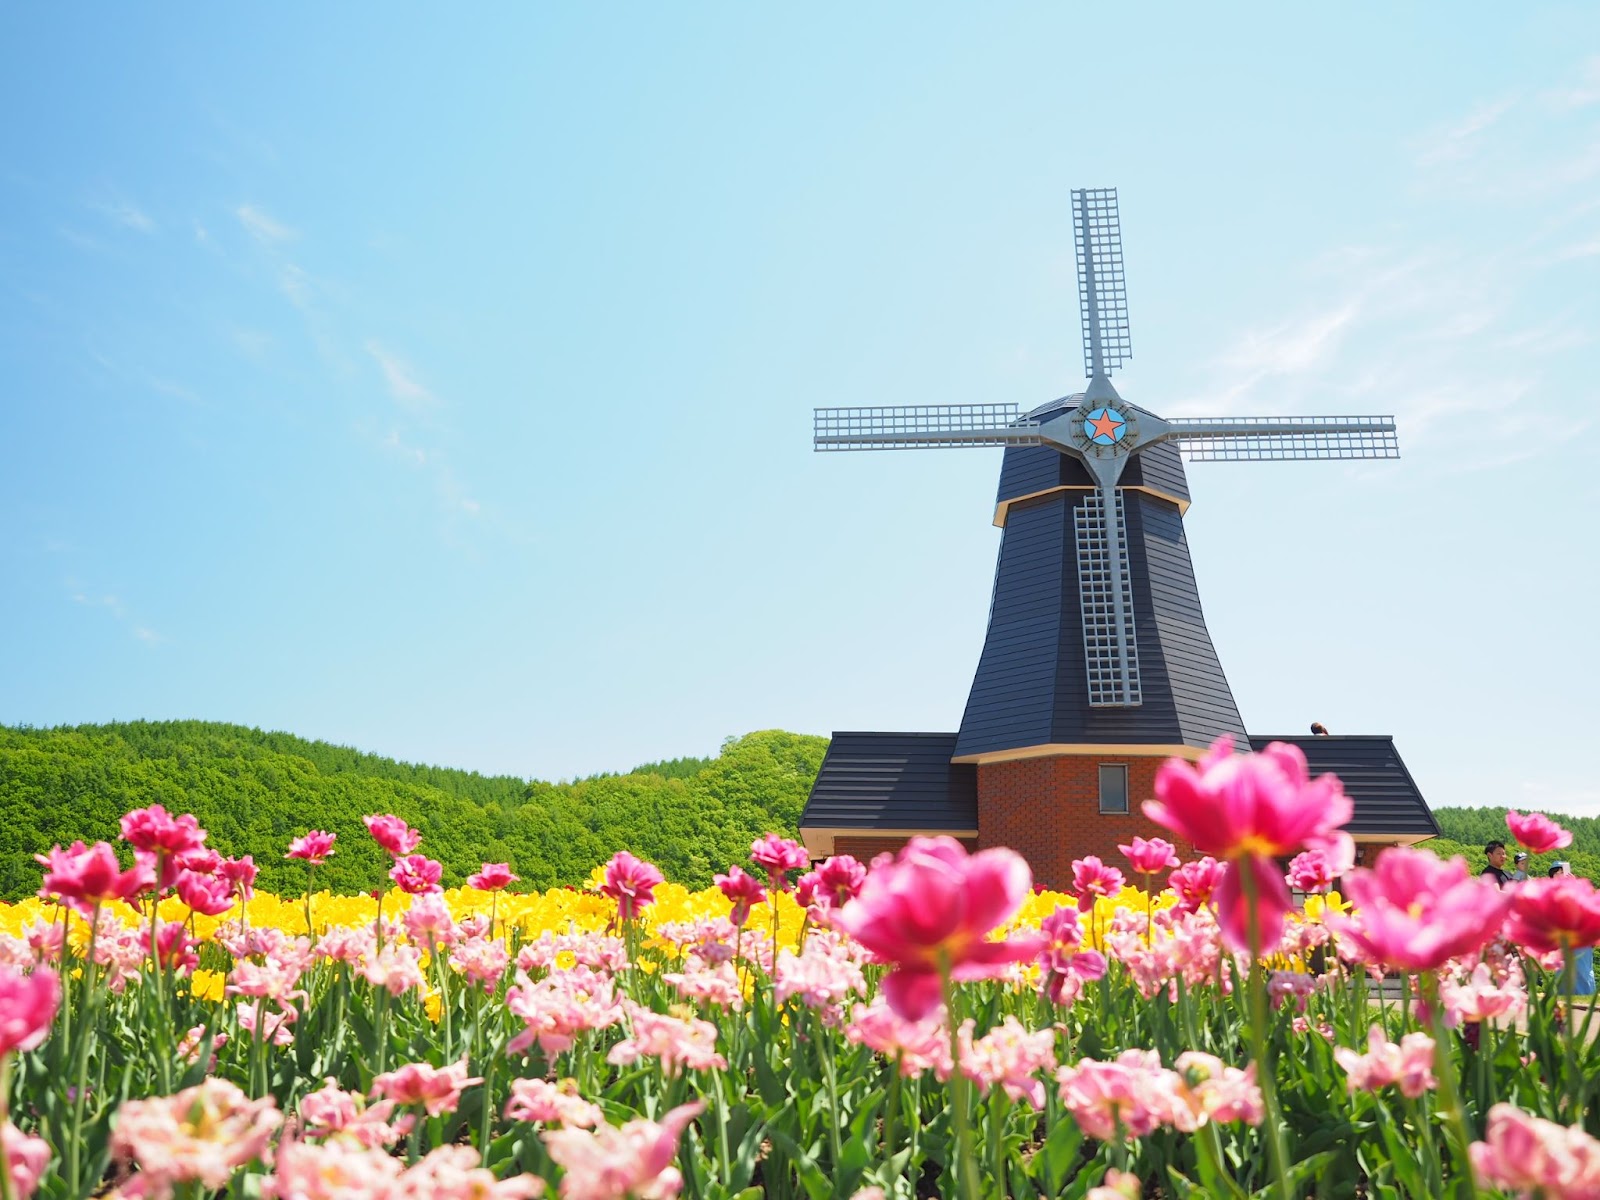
<point>925,1025</point>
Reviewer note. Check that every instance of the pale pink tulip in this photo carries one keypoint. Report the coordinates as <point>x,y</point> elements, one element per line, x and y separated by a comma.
<point>202,1134</point>
<point>28,1158</point>
<point>1538,832</point>
<point>437,1089</point>
<point>456,1173</point>
<point>930,911</point>
<point>675,1042</point>
<point>332,1170</point>
<point>552,1103</point>
<point>1009,1057</point>
<point>332,1112</point>
<point>1409,1064</point>
<point>1533,1157</point>
<point>633,1161</point>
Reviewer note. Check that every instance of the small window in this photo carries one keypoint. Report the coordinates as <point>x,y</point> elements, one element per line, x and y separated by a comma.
<point>1113,788</point>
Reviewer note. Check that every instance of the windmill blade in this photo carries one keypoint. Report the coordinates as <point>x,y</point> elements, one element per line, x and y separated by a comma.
<point>1102,289</point>
<point>923,426</point>
<point>1254,439</point>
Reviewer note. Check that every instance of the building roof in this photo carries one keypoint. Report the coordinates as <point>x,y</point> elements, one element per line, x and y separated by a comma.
<point>906,783</point>
<point>893,781</point>
<point>1374,776</point>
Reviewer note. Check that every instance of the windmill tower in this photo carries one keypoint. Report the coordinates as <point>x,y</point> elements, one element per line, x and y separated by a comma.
<point>1097,664</point>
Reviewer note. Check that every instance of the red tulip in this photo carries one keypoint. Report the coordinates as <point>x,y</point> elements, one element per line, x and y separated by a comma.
<point>1554,914</point>
<point>417,874</point>
<point>156,831</point>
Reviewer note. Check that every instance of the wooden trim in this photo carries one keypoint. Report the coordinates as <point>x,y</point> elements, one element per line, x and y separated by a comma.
<point>818,839</point>
<point>1085,750</point>
<point>1001,509</point>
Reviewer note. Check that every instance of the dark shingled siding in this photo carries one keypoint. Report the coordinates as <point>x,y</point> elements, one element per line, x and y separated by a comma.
<point>1374,776</point>
<point>892,781</point>
<point>1029,688</point>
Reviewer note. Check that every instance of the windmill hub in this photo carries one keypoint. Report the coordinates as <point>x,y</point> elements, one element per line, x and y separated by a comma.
<point>1105,429</point>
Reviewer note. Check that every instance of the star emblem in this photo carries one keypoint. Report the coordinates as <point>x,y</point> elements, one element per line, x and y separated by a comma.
<point>1104,426</point>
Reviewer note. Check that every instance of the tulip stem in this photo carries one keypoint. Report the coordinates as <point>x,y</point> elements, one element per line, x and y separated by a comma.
<point>1449,1094</point>
<point>966,1171</point>
<point>1569,988</point>
<point>1265,1079</point>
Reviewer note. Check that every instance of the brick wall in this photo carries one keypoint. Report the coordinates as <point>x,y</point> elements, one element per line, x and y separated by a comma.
<point>1048,810</point>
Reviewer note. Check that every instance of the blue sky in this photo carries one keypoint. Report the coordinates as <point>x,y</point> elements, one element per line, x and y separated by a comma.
<point>443,387</point>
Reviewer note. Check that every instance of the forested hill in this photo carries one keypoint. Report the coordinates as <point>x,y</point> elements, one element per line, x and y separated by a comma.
<point>1467,830</point>
<point>254,791</point>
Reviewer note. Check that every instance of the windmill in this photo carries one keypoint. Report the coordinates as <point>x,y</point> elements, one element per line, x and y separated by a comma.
<point>1105,434</point>
<point>1097,665</point>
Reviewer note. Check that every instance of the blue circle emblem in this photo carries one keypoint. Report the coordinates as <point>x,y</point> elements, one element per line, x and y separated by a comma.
<point>1104,426</point>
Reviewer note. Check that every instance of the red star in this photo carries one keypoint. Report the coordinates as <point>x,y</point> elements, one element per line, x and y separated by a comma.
<point>1106,425</point>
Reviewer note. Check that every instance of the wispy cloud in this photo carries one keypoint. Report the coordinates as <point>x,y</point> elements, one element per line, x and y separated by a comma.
<point>1582,94</point>
<point>110,603</point>
<point>1461,140</point>
<point>263,227</point>
<point>395,444</point>
<point>128,216</point>
<point>402,381</point>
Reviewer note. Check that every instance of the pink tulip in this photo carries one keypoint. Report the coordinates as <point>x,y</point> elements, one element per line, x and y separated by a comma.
<point>27,1156</point>
<point>315,847</point>
<point>840,879</point>
<point>551,1103</point>
<point>744,889</point>
<point>931,910</point>
<point>28,1004</point>
<point>202,1134</point>
<point>393,834</point>
<point>205,894</point>
<point>1409,1064</point>
<point>240,874</point>
<point>1538,832</point>
<point>1193,883</point>
<point>416,874</point>
<point>611,1163</point>
<point>1092,878</point>
<point>156,831</point>
<point>1554,914</point>
<point>1415,912</point>
<point>779,856</point>
<point>1247,810</point>
<point>631,882</point>
<point>1532,1157</point>
<point>1148,857</point>
<point>437,1089</point>
<point>87,876</point>
<point>175,948</point>
<point>1315,870</point>
<point>493,877</point>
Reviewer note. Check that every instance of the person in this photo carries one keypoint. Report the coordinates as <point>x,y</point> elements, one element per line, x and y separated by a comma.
<point>1495,852</point>
<point>1319,729</point>
<point>1519,867</point>
<point>1583,957</point>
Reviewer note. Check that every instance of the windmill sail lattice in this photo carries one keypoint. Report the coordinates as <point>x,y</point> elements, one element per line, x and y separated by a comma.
<point>1076,463</point>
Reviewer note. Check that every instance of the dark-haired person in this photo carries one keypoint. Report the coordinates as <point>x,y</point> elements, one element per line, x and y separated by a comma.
<point>1495,852</point>
<point>1319,729</point>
